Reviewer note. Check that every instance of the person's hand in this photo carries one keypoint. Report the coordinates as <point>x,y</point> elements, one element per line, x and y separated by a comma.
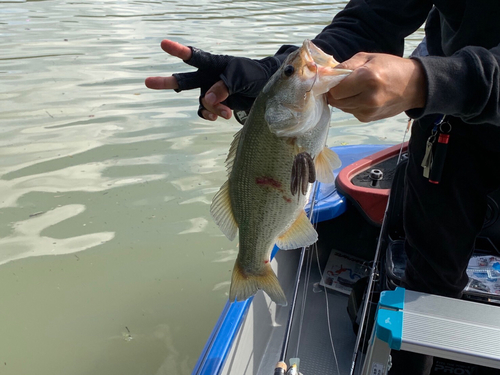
<point>380,86</point>
<point>225,82</point>
<point>213,90</point>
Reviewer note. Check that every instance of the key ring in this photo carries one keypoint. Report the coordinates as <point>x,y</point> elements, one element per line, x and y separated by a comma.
<point>433,136</point>
<point>445,127</point>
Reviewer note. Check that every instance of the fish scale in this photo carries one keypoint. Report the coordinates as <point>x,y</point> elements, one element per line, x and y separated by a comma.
<point>260,218</point>
<point>289,117</point>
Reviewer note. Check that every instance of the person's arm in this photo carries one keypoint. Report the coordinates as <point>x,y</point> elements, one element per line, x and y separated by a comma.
<point>378,26</point>
<point>464,85</point>
<point>382,84</point>
<point>363,26</point>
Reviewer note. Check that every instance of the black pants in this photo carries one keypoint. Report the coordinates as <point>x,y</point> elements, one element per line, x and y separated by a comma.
<point>442,221</point>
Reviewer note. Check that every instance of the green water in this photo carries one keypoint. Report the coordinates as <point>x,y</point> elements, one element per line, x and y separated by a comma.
<point>110,261</point>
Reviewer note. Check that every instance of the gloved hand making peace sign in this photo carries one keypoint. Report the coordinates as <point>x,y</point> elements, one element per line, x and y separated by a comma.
<point>225,82</point>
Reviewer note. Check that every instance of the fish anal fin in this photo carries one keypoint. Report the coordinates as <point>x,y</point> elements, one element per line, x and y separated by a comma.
<point>222,212</point>
<point>301,233</point>
<point>326,161</point>
<point>245,285</point>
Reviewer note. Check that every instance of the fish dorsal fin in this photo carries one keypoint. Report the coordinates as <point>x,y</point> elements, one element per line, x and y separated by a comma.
<point>300,234</point>
<point>221,208</point>
<point>232,152</point>
<point>222,212</point>
<point>325,163</point>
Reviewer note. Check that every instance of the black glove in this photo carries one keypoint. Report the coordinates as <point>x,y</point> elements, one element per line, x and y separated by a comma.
<point>244,77</point>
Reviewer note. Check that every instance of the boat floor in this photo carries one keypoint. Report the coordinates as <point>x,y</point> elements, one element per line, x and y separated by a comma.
<point>314,347</point>
<point>258,345</point>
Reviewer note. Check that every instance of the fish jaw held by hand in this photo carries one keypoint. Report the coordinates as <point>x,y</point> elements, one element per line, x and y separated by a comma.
<point>299,90</point>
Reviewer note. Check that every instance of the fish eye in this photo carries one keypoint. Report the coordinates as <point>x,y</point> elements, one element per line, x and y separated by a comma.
<point>289,69</point>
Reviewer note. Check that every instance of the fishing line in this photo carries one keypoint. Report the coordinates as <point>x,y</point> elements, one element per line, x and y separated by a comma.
<point>286,339</point>
<point>328,316</point>
<point>315,78</point>
<point>366,307</point>
<point>306,288</point>
<point>304,299</point>
<point>325,291</point>
<point>408,126</point>
<point>307,274</point>
<point>326,301</point>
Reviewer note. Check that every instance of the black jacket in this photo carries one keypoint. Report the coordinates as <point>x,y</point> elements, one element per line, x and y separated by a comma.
<point>463,38</point>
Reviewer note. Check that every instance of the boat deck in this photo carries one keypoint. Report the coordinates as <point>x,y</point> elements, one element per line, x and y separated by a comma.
<point>314,348</point>
<point>265,324</point>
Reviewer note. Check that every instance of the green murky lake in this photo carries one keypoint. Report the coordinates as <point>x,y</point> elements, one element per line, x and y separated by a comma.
<point>109,260</point>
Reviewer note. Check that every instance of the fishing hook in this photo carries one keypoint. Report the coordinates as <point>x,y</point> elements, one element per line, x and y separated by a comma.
<point>315,78</point>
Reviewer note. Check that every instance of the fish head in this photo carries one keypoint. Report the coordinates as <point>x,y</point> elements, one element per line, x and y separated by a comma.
<point>296,93</point>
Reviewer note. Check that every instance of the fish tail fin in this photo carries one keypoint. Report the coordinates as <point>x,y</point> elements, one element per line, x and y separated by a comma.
<point>244,285</point>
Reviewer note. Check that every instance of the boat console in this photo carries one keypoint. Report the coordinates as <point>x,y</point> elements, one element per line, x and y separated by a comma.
<point>367,182</point>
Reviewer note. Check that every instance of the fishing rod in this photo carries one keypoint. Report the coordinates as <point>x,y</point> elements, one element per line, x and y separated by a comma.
<point>281,366</point>
<point>369,288</point>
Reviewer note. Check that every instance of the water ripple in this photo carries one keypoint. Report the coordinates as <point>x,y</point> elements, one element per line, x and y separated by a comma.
<point>27,241</point>
<point>93,162</point>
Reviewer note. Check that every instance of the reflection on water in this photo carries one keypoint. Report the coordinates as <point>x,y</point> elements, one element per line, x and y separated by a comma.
<point>27,241</point>
<point>115,181</point>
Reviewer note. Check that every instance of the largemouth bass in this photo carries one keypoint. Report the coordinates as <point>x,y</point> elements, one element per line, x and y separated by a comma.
<point>290,117</point>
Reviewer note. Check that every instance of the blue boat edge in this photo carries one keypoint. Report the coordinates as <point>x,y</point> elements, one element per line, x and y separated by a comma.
<point>329,204</point>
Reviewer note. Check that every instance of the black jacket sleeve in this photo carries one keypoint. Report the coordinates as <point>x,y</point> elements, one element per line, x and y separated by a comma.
<point>465,85</point>
<point>372,26</point>
<point>462,81</point>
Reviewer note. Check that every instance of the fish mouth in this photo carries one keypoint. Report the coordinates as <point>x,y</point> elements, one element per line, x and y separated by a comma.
<point>319,64</point>
<point>314,58</point>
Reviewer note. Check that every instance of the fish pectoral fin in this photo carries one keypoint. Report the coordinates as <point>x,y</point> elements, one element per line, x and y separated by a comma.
<point>222,212</point>
<point>300,234</point>
<point>326,161</point>
<point>244,285</point>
